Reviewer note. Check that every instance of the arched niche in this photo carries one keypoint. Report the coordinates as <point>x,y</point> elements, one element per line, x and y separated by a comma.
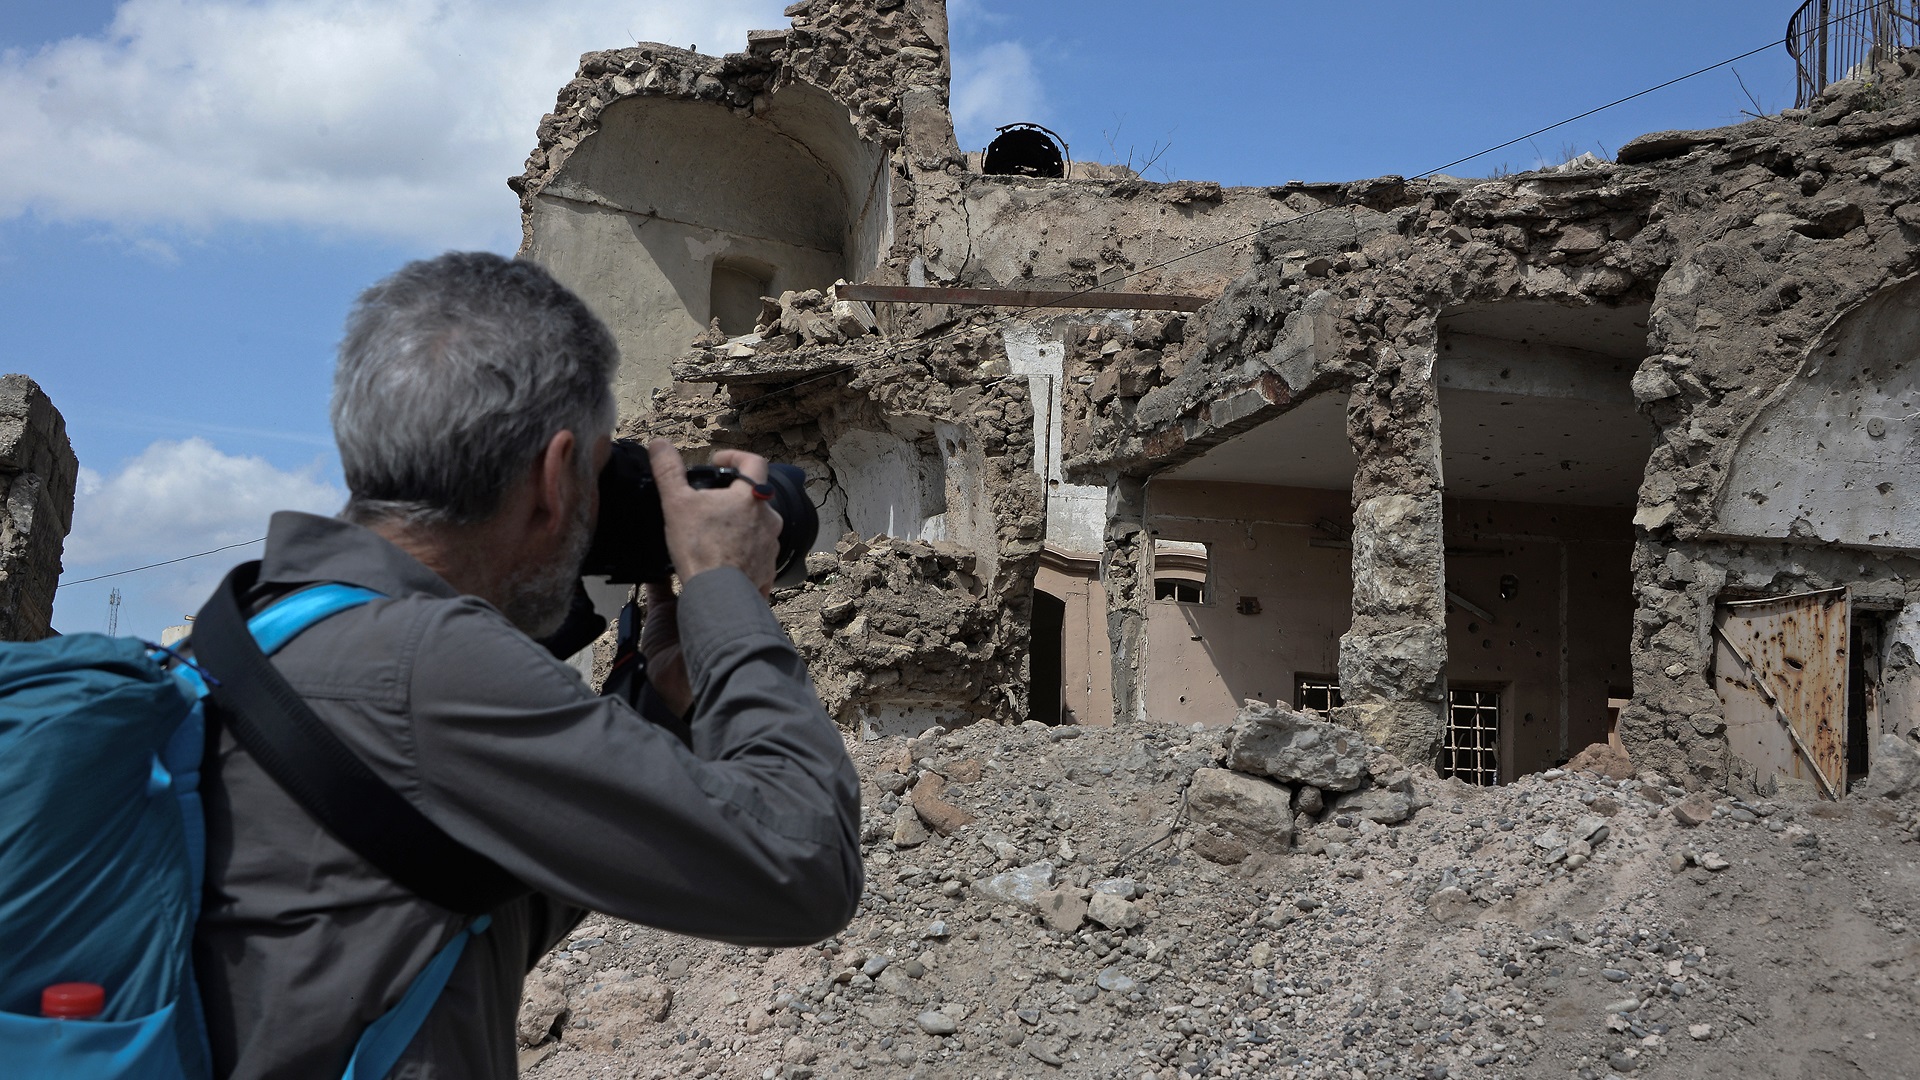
<point>668,199</point>
<point>1833,457</point>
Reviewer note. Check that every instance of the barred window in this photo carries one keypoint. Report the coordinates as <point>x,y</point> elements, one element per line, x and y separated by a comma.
<point>1316,693</point>
<point>1472,748</point>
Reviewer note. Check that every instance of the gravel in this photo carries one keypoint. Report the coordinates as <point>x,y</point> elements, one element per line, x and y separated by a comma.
<point>1452,944</point>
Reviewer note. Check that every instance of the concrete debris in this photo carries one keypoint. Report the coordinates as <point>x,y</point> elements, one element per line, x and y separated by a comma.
<point>1694,809</point>
<point>1382,805</point>
<point>1021,887</point>
<point>1113,912</point>
<point>1295,748</point>
<point>1603,759</point>
<point>1253,810</point>
<point>1062,909</point>
<point>1896,769</point>
<point>1446,925</point>
<point>940,815</point>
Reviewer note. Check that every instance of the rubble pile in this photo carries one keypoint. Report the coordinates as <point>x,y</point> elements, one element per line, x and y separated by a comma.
<point>1109,902</point>
<point>894,620</point>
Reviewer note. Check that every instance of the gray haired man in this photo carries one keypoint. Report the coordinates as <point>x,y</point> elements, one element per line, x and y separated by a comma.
<point>473,413</point>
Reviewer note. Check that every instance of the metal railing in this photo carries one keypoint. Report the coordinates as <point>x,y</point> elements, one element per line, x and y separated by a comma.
<point>1841,39</point>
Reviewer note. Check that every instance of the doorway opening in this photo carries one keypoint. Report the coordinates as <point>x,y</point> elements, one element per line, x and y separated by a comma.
<point>1045,662</point>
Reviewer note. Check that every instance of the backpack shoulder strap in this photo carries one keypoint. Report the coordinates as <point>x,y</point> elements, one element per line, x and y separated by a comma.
<point>288,616</point>
<point>296,748</point>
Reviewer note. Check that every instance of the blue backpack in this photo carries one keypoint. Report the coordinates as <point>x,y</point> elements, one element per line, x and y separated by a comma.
<point>103,844</point>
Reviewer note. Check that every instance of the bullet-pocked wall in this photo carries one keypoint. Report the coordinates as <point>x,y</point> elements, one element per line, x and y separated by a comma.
<point>1542,453</point>
<point>675,212</point>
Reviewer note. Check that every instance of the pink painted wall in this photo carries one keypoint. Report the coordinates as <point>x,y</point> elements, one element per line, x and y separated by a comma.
<point>1203,659</point>
<point>1085,661</point>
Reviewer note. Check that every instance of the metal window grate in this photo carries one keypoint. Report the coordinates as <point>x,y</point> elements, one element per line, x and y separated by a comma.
<point>1316,693</point>
<point>1472,748</point>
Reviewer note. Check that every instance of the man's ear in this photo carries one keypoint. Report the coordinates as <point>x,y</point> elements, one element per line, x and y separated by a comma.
<point>553,482</point>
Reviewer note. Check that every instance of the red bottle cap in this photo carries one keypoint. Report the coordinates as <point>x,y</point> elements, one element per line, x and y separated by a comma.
<point>73,1001</point>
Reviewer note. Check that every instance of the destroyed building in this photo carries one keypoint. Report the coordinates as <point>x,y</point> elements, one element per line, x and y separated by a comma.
<point>1488,469</point>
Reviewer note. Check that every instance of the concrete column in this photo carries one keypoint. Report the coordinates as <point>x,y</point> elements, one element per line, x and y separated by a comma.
<point>1127,574</point>
<point>1393,658</point>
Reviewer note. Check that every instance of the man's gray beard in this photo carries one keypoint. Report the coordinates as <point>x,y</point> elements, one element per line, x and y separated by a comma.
<point>538,599</point>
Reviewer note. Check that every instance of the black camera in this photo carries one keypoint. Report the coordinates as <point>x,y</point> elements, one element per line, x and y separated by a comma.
<point>630,544</point>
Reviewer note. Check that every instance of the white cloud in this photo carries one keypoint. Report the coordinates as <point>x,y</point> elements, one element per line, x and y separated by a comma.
<point>400,119</point>
<point>993,85</point>
<point>178,498</point>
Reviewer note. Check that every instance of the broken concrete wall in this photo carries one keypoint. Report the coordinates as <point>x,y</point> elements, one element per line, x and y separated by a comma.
<point>1355,313</point>
<point>1751,243</point>
<point>666,182</point>
<point>38,472</point>
<point>919,456</point>
<point>1792,224</point>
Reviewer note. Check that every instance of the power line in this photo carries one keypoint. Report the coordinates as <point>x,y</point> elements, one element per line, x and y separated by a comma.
<point>1066,301</point>
<point>166,562</point>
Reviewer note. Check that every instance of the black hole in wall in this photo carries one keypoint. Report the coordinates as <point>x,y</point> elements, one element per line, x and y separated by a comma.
<point>1024,150</point>
<point>1046,660</point>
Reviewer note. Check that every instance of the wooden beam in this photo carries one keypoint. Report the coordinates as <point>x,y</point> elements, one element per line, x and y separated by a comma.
<point>1018,298</point>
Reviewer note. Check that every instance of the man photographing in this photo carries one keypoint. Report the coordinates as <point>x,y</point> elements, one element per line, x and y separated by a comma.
<point>473,413</point>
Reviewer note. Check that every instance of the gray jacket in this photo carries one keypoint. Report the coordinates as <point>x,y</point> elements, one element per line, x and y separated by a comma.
<point>751,837</point>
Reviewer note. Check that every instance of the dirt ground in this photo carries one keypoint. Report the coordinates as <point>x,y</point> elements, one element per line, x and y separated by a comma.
<point>1565,925</point>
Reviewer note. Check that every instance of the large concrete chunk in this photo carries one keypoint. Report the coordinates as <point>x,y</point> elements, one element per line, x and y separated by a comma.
<point>1383,805</point>
<point>1294,748</point>
<point>1896,769</point>
<point>1247,806</point>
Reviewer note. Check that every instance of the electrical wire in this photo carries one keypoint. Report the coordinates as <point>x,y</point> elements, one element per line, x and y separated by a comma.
<point>165,562</point>
<point>1067,300</point>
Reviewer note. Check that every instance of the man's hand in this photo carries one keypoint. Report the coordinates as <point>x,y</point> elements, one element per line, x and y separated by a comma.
<point>716,527</point>
<point>660,644</point>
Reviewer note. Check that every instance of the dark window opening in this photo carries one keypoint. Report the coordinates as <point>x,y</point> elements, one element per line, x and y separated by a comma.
<point>1180,569</point>
<point>1176,589</point>
<point>1316,693</point>
<point>1046,662</point>
<point>735,296</point>
<point>1471,751</point>
<point>1025,150</point>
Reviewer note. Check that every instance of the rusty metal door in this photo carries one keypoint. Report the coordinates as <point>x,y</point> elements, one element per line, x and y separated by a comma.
<point>1780,666</point>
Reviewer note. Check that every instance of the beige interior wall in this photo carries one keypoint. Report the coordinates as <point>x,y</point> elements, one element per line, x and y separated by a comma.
<point>648,203</point>
<point>1203,659</point>
<point>1572,613</point>
<point>1085,661</point>
<point>650,280</point>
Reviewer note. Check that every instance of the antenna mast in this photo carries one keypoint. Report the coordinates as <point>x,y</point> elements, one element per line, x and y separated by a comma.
<point>113,613</point>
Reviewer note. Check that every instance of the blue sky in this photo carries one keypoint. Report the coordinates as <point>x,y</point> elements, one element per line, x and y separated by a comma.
<point>196,189</point>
